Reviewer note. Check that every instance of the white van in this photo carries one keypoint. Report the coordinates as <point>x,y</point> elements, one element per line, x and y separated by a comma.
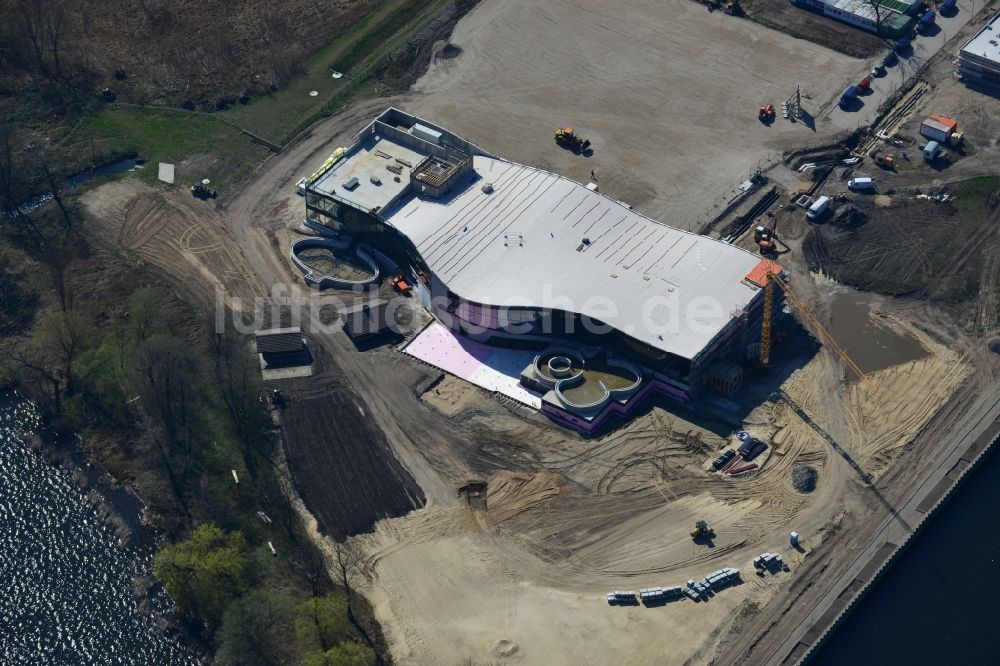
<point>861,184</point>
<point>818,208</point>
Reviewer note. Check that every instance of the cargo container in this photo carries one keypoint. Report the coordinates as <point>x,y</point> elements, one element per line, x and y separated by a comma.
<point>938,128</point>
<point>723,459</point>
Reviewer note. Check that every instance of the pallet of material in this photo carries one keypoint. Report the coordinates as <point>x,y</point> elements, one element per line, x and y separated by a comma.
<point>742,468</point>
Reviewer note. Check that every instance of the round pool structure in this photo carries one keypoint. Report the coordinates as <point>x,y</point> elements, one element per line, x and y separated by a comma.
<point>327,262</point>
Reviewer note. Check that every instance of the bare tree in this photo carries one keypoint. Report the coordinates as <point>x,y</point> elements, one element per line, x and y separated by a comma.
<point>164,374</point>
<point>50,357</point>
<point>882,14</point>
<point>237,377</point>
<point>347,565</point>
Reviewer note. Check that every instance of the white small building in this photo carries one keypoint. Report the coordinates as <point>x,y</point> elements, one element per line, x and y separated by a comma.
<point>932,150</point>
<point>896,16</point>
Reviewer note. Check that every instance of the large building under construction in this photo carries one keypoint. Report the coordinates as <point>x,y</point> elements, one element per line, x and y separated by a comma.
<point>611,304</point>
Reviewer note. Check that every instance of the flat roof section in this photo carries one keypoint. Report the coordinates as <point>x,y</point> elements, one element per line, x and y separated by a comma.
<point>538,240</point>
<point>492,368</point>
<point>367,159</point>
<point>986,42</point>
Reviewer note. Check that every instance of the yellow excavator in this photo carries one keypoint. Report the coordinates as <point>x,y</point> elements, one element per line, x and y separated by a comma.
<point>567,138</point>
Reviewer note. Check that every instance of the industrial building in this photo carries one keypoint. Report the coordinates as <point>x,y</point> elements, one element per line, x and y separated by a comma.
<point>612,305</point>
<point>979,58</point>
<point>896,16</point>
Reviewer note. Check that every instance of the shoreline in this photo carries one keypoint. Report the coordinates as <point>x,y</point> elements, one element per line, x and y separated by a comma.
<point>119,509</point>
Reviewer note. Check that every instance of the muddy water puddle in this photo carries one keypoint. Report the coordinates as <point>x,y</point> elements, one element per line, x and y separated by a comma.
<point>872,343</point>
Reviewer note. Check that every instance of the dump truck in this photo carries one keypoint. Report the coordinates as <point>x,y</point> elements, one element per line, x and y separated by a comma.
<point>401,286</point>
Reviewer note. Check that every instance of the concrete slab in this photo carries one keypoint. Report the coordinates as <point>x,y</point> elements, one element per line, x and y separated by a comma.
<point>166,173</point>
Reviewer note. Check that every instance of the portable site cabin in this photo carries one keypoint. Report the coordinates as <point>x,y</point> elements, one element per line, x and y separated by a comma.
<point>932,150</point>
<point>938,128</point>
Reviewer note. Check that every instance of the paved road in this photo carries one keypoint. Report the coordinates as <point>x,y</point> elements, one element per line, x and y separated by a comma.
<point>896,528</point>
<point>924,47</point>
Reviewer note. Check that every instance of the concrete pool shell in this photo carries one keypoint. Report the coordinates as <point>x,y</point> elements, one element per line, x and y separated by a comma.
<point>584,384</point>
<point>329,262</point>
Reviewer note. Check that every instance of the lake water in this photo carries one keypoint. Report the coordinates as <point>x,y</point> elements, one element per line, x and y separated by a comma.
<point>65,587</point>
<point>937,604</point>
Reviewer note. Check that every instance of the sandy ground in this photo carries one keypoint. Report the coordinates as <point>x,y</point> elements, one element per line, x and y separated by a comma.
<point>667,92</point>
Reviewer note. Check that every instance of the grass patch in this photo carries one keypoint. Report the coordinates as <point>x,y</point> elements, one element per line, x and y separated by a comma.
<point>282,115</point>
<point>165,135</point>
<point>972,197</point>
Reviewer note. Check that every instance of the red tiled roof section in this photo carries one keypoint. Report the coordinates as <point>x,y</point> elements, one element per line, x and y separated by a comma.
<point>759,273</point>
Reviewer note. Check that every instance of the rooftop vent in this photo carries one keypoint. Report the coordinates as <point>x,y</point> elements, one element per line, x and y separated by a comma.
<point>586,241</point>
<point>488,188</point>
<point>350,183</point>
<point>375,180</point>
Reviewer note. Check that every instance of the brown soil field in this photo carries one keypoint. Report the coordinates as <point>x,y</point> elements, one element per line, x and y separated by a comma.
<point>911,248</point>
<point>172,51</point>
<point>804,24</point>
<point>343,467</point>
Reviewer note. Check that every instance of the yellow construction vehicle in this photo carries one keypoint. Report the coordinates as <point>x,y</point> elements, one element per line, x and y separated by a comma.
<point>701,530</point>
<point>567,138</point>
<point>765,327</point>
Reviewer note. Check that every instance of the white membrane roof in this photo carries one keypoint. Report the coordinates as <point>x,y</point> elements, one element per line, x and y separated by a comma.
<point>523,245</point>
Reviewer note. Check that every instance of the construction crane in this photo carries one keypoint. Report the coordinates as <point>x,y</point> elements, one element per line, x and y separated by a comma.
<point>765,327</point>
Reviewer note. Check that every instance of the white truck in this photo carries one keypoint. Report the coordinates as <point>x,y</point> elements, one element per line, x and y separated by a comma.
<point>861,184</point>
<point>818,208</point>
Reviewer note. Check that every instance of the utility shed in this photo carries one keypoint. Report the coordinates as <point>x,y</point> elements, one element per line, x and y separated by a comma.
<point>281,348</point>
<point>365,321</point>
<point>931,150</point>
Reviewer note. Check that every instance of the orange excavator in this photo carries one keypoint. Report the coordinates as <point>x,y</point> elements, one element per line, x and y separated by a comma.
<point>766,237</point>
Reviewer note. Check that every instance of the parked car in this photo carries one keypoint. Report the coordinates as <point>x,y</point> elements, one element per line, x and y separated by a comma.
<point>878,70</point>
<point>864,85</point>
